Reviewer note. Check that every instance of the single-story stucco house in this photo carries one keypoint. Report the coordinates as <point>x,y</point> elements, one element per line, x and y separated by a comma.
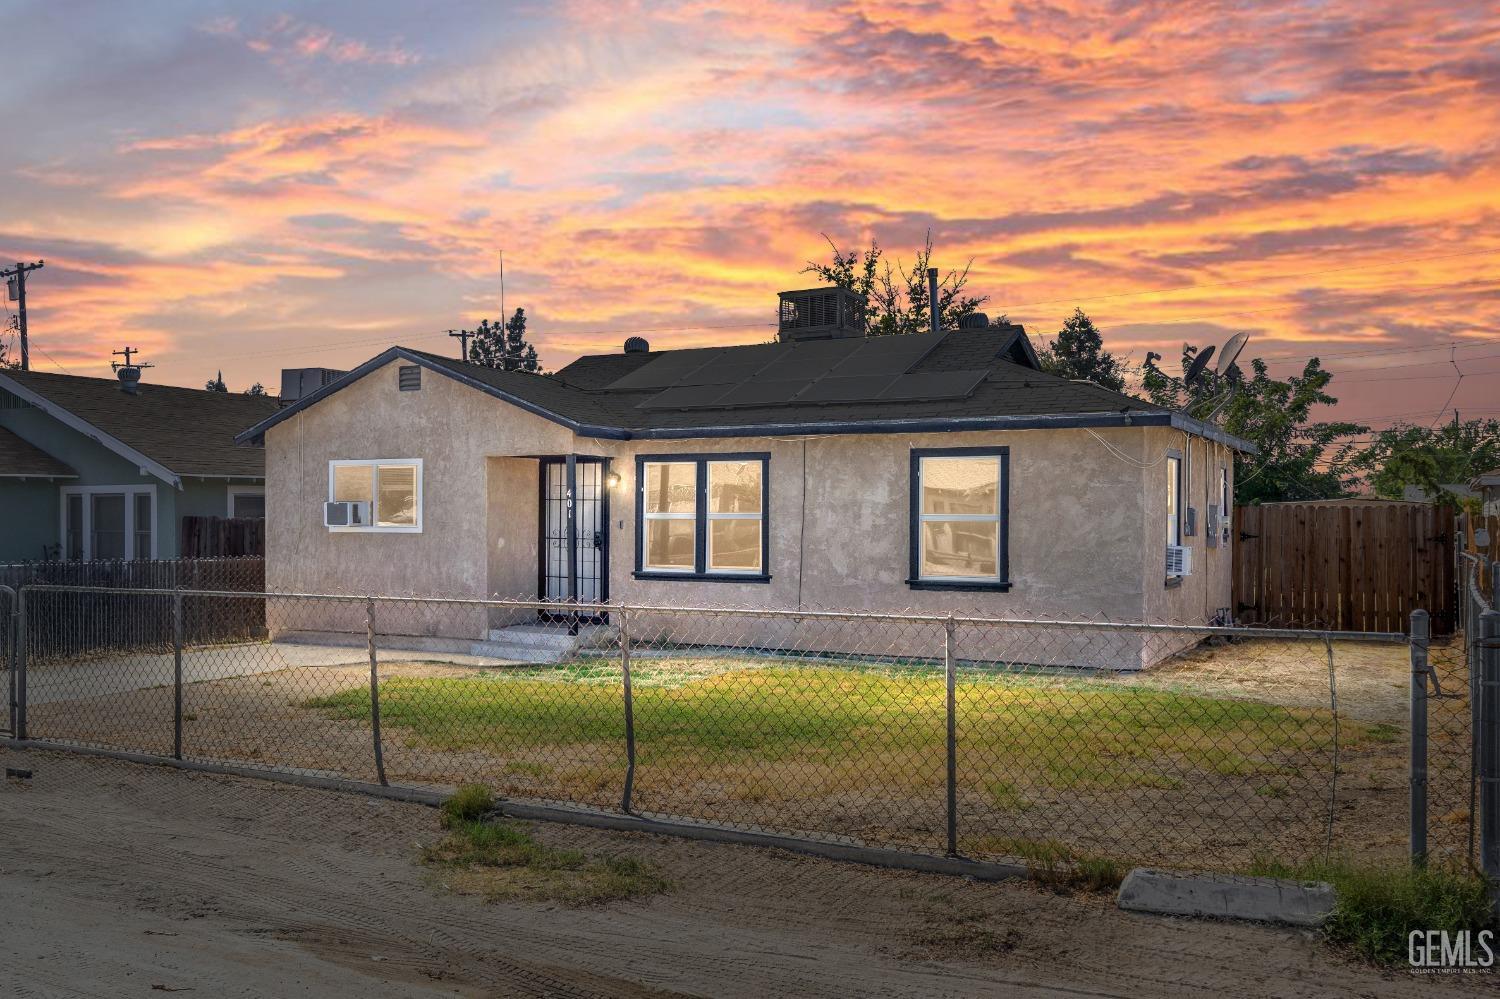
<point>106,468</point>
<point>938,472</point>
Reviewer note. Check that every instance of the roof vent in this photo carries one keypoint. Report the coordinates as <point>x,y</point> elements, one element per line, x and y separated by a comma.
<point>974,321</point>
<point>637,345</point>
<point>820,314</point>
<point>130,378</point>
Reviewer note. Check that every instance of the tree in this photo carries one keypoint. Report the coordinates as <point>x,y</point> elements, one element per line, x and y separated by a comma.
<point>1078,352</point>
<point>1299,459</point>
<point>504,347</point>
<point>216,383</point>
<point>256,389</point>
<point>1429,458</point>
<point>895,297</point>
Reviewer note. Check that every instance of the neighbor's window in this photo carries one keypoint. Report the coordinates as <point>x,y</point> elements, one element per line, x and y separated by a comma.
<point>702,516</point>
<point>959,518</point>
<point>392,491</point>
<point>1174,499</point>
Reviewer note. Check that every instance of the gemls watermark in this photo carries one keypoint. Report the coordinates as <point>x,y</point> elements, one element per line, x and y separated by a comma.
<point>1443,953</point>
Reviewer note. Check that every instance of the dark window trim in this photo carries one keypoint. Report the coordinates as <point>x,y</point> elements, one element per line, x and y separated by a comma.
<point>914,520</point>
<point>1172,452</point>
<point>700,571</point>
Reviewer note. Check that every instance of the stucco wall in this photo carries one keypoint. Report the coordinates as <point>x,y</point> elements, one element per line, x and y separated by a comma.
<point>453,429</point>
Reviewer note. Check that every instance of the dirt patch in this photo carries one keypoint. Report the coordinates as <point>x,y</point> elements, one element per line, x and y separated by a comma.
<point>120,877</point>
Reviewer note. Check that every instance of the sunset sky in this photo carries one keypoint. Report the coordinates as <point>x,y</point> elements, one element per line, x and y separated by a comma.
<point>251,186</point>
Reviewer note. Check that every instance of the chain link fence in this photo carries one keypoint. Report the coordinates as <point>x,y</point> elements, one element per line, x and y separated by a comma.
<point>1044,742</point>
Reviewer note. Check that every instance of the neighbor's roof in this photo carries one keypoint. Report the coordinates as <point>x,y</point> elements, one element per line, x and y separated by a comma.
<point>19,459</point>
<point>169,430</point>
<point>978,379</point>
<point>1486,479</point>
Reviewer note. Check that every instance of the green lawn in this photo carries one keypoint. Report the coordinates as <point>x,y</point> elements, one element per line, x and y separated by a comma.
<point>852,724</point>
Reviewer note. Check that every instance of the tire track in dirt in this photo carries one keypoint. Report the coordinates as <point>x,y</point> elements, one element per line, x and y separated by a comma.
<point>331,877</point>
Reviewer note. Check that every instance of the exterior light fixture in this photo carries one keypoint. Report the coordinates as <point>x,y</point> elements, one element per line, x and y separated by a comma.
<point>612,479</point>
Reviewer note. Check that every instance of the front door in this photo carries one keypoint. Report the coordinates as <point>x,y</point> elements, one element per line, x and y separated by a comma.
<point>588,508</point>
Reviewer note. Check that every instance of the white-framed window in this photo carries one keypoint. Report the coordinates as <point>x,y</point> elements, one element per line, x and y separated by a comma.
<point>108,522</point>
<point>247,501</point>
<point>390,489</point>
<point>959,529</point>
<point>702,515</point>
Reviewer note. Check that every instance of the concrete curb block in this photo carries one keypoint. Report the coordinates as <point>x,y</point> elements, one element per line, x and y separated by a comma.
<point>1265,900</point>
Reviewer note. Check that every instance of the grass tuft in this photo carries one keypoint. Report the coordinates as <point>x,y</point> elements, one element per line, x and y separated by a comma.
<point>1054,864</point>
<point>1379,906</point>
<point>468,804</point>
<point>504,862</point>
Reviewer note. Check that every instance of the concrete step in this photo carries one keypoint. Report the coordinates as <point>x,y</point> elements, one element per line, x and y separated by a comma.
<point>550,636</point>
<point>518,653</point>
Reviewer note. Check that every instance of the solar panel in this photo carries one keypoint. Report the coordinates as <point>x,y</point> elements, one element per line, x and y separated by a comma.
<point>888,355</point>
<point>763,393</point>
<point>808,360</point>
<point>853,388</point>
<point>933,385</point>
<point>684,397</point>
<point>732,365</point>
<point>665,371</point>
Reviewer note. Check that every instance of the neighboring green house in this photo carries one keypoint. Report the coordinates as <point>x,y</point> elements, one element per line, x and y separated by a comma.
<point>97,468</point>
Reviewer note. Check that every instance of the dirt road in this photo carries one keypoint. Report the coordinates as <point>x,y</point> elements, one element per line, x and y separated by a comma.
<point>122,880</point>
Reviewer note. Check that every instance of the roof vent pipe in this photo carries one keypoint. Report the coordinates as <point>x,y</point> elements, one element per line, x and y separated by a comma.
<point>932,299</point>
<point>637,345</point>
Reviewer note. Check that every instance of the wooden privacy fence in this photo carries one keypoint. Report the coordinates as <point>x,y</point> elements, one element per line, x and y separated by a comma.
<point>65,623</point>
<point>1344,566</point>
<point>222,537</point>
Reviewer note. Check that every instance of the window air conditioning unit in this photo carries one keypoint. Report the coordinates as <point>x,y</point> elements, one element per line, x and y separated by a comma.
<point>1179,560</point>
<point>346,514</point>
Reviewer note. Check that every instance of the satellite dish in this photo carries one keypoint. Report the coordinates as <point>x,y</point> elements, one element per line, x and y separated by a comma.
<point>1231,352</point>
<point>1199,363</point>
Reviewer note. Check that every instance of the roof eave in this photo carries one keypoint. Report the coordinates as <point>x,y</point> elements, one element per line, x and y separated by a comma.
<point>82,426</point>
<point>1059,421</point>
<point>1140,418</point>
<point>256,433</point>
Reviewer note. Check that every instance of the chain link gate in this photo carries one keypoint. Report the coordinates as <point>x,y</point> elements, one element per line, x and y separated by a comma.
<point>9,651</point>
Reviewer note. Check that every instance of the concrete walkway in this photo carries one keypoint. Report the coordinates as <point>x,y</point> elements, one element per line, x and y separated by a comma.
<point>55,682</point>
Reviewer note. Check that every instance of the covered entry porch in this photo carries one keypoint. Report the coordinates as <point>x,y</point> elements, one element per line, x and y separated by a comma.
<point>549,538</point>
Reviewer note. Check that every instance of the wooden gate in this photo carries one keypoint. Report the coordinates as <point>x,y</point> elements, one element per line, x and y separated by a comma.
<point>1344,566</point>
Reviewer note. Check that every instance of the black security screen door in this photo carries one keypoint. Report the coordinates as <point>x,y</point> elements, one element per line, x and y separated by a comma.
<point>589,505</point>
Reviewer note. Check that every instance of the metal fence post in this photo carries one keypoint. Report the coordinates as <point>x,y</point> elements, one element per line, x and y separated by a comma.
<point>177,674</point>
<point>625,799</point>
<point>20,728</point>
<point>950,683</point>
<point>11,627</point>
<point>1489,746</point>
<point>374,690</point>
<point>1419,668</point>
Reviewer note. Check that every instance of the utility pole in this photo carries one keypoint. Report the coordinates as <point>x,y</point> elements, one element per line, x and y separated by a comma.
<point>463,343</point>
<point>15,277</point>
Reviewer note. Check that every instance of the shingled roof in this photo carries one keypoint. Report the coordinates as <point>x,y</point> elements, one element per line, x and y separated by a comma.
<point>1004,389</point>
<point>183,431</point>
<point>20,460</point>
